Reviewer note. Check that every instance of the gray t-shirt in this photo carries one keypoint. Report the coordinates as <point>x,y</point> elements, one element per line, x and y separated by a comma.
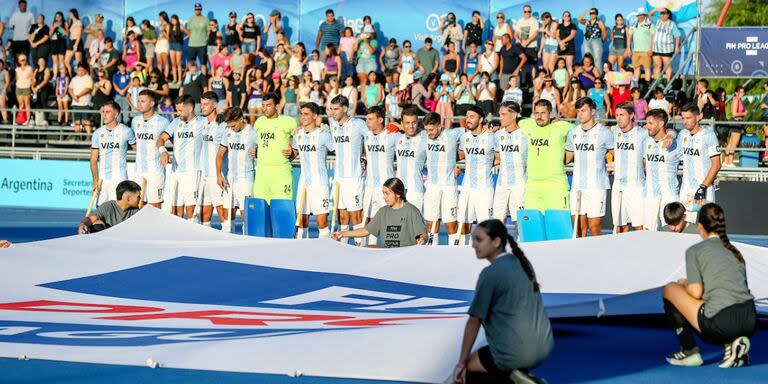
<point>427,59</point>
<point>111,213</point>
<point>517,329</point>
<point>397,227</point>
<point>689,228</point>
<point>724,278</point>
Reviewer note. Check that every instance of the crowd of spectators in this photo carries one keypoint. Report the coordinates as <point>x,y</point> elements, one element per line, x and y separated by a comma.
<point>65,65</point>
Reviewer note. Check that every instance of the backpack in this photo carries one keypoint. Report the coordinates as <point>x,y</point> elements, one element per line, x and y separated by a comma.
<point>22,117</point>
<point>405,96</point>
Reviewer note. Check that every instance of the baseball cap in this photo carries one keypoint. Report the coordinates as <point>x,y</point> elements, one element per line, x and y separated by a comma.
<point>641,11</point>
<point>274,12</point>
<point>232,14</point>
<point>198,6</point>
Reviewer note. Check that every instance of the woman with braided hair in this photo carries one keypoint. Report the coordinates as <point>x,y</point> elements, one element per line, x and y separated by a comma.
<point>508,305</point>
<point>715,300</point>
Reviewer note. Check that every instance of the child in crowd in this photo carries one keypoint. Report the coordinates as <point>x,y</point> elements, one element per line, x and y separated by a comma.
<point>62,97</point>
<point>316,66</point>
<point>133,92</point>
<point>390,102</point>
<point>659,102</point>
<point>166,108</point>
<point>641,106</point>
<point>445,100</point>
<point>513,93</point>
<point>317,94</point>
<point>561,75</point>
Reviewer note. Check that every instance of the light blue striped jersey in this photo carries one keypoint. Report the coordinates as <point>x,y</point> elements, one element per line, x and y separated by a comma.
<point>112,145</point>
<point>411,158</point>
<point>697,151</point>
<point>187,142</point>
<point>212,134</point>
<point>628,169</point>
<point>513,154</point>
<point>589,148</point>
<point>441,157</point>
<point>348,139</point>
<point>661,168</point>
<point>478,159</point>
<point>313,150</point>
<point>147,132</point>
<point>239,146</point>
<point>380,157</point>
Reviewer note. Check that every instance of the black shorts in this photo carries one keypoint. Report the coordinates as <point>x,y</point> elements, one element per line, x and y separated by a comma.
<point>80,115</point>
<point>728,324</point>
<point>390,72</point>
<point>75,47</point>
<point>736,128</point>
<point>486,359</point>
<point>58,47</point>
<point>532,55</point>
<point>570,49</point>
<point>764,119</point>
<point>669,54</point>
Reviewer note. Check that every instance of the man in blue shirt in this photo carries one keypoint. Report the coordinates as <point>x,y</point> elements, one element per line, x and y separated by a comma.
<point>329,32</point>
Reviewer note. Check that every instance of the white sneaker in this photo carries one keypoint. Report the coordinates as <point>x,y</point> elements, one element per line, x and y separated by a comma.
<point>682,359</point>
<point>521,377</point>
<point>735,354</point>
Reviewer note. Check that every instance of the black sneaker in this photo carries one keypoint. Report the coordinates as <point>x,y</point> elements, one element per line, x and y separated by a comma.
<point>735,354</point>
<point>682,359</point>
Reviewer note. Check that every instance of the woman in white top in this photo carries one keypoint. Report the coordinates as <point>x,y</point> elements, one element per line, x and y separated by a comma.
<point>485,94</point>
<point>452,31</point>
<point>296,63</point>
<point>489,62</point>
<point>548,50</point>
<point>332,89</point>
<point>550,93</point>
<point>75,47</point>
<point>408,64</point>
<point>350,92</point>
<point>499,30</point>
<point>163,46</point>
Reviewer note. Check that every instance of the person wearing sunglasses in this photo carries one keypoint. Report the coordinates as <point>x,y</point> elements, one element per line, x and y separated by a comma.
<point>594,35</point>
<point>501,28</point>
<point>665,40</point>
<point>451,31</point>
<point>527,35</point>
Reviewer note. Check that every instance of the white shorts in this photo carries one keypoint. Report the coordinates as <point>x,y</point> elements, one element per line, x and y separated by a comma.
<point>153,190</point>
<point>108,191</point>
<point>186,186</point>
<point>507,201</point>
<point>235,195</point>
<point>351,193</point>
<point>592,202</point>
<point>654,211</point>
<point>475,204</point>
<point>316,200</point>
<point>212,193</point>
<point>373,199</point>
<point>629,209</point>
<point>415,198</point>
<point>440,202</point>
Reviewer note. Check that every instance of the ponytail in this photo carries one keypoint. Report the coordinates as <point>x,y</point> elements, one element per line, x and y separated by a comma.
<point>712,218</point>
<point>524,262</point>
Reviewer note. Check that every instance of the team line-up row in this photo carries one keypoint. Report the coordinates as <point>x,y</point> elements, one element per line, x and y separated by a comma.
<point>218,162</point>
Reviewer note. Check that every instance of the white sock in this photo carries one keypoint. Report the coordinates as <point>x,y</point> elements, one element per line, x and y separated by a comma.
<point>454,239</point>
<point>324,233</point>
<point>435,238</point>
<point>300,233</point>
<point>372,240</point>
<point>206,223</point>
<point>360,241</point>
<point>226,227</point>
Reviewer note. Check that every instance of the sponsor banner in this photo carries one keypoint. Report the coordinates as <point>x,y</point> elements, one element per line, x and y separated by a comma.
<point>734,52</point>
<point>160,289</point>
<point>45,183</point>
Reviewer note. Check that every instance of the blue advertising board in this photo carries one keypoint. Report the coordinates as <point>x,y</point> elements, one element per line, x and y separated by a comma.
<point>45,183</point>
<point>734,52</point>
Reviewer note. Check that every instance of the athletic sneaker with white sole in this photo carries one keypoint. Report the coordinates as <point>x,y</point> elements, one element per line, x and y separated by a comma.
<point>683,359</point>
<point>735,354</point>
<point>519,376</point>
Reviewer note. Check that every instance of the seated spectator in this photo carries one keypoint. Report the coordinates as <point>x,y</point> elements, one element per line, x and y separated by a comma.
<point>114,212</point>
<point>5,244</point>
<point>674,217</point>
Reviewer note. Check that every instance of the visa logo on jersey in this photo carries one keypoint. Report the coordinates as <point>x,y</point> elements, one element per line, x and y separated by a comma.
<point>584,147</point>
<point>625,146</point>
<point>110,145</point>
<point>145,136</point>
